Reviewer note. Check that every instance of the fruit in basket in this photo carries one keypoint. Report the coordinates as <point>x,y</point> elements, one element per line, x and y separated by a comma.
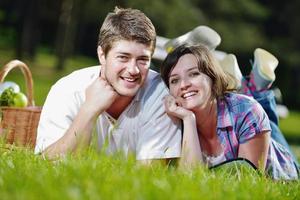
<point>20,100</point>
<point>11,98</point>
<point>7,96</point>
<point>7,84</point>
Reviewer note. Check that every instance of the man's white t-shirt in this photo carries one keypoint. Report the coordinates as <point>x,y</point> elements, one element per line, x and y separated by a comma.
<point>143,128</point>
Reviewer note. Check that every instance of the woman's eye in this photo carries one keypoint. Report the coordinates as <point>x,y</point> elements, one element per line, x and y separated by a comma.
<point>193,74</point>
<point>173,81</point>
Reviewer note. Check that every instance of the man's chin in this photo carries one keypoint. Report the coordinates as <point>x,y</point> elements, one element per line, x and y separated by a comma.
<point>127,93</point>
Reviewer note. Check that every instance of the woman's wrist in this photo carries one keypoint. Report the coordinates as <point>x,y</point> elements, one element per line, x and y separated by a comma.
<point>190,116</point>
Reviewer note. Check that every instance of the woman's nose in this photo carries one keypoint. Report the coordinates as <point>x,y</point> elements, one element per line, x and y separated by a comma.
<point>185,84</point>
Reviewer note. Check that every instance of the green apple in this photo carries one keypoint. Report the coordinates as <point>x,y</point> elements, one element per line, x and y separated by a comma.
<point>20,100</point>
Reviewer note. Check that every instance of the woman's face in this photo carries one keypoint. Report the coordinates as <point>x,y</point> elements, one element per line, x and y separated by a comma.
<point>188,85</point>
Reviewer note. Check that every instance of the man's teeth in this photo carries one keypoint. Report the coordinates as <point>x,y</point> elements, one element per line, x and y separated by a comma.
<point>189,94</point>
<point>129,79</point>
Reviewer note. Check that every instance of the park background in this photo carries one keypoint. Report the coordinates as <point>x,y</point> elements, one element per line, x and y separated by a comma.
<point>56,37</point>
<point>66,29</point>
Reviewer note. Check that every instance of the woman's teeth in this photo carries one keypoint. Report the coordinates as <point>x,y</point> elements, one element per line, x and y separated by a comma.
<point>189,94</point>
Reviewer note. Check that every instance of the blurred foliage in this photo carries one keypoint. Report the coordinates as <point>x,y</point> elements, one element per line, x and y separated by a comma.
<point>171,18</point>
<point>238,23</point>
<point>243,25</point>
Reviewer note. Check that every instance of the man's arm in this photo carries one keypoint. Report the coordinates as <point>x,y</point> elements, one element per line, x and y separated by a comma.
<point>191,154</point>
<point>159,136</point>
<point>78,135</point>
<point>99,96</point>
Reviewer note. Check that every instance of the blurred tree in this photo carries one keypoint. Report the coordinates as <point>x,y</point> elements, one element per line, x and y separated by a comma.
<point>28,34</point>
<point>283,30</point>
<point>78,28</point>
<point>238,22</point>
<point>171,18</point>
<point>24,17</point>
<point>27,24</point>
<point>89,22</point>
<point>243,25</point>
<point>66,31</point>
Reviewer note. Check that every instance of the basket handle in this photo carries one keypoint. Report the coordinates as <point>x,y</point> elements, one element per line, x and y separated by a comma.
<point>27,74</point>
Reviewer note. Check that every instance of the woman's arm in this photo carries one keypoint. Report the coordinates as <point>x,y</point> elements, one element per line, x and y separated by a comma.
<point>191,154</point>
<point>256,149</point>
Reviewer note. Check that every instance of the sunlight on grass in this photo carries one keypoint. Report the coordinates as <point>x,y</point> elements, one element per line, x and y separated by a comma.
<point>296,150</point>
<point>291,125</point>
<point>92,175</point>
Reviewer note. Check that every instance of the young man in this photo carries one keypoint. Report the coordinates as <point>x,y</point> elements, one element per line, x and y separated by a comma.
<point>122,96</point>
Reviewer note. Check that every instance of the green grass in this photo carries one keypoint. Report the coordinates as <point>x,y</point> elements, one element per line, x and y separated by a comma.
<point>291,125</point>
<point>93,175</point>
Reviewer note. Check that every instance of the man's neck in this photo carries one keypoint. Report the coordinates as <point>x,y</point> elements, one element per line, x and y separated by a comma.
<point>118,106</point>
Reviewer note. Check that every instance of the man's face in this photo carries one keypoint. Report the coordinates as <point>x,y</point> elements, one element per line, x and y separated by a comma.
<point>125,66</point>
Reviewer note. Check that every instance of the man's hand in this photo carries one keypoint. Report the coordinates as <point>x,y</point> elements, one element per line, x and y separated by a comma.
<point>100,95</point>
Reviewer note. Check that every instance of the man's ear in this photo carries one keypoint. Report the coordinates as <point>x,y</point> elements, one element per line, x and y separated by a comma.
<point>101,55</point>
<point>102,60</point>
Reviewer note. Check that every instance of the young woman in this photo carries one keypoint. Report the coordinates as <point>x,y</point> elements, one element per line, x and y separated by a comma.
<point>219,125</point>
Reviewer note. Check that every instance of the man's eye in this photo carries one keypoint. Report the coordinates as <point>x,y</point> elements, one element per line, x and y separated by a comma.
<point>144,61</point>
<point>123,58</point>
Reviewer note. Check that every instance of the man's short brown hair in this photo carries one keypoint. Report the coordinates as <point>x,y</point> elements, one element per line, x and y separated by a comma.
<point>126,24</point>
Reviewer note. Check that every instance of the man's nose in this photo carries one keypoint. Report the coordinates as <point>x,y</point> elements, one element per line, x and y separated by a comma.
<point>132,68</point>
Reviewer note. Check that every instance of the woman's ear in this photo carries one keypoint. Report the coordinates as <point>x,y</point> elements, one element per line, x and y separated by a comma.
<point>101,55</point>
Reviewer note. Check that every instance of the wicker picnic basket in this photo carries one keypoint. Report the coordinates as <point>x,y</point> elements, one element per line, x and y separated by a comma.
<point>19,125</point>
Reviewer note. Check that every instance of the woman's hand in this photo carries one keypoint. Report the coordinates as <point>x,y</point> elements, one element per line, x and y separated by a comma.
<point>191,154</point>
<point>173,108</point>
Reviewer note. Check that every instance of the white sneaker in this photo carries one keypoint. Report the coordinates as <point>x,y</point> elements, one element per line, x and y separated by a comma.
<point>230,65</point>
<point>263,68</point>
<point>200,35</point>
